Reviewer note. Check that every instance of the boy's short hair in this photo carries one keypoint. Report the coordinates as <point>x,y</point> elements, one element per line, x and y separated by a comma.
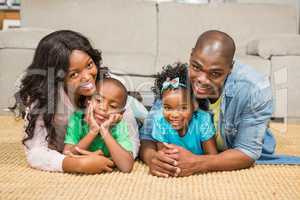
<point>117,83</point>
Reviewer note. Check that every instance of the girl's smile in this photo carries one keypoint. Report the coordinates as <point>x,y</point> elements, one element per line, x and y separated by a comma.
<point>178,109</point>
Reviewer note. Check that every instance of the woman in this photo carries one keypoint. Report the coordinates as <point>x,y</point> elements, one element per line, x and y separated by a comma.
<point>62,74</point>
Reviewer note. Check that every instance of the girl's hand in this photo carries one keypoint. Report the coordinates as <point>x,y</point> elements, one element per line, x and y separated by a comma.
<point>90,119</point>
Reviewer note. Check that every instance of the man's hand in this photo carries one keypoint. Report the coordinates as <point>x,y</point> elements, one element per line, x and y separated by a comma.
<point>160,164</point>
<point>186,160</point>
<point>163,165</point>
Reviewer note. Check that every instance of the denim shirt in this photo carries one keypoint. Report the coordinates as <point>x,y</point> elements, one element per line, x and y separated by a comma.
<point>246,109</point>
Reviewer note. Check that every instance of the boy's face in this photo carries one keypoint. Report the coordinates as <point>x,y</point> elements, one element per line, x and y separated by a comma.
<point>110,99</point>
<point>177,108</point>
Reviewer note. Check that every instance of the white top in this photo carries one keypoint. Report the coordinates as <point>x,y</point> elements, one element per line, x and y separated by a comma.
<point>37,151</point>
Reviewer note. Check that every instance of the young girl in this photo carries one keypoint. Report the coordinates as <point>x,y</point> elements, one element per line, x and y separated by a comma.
<point>179,121</point>
<point>62,74</point>
<point>101,129</point>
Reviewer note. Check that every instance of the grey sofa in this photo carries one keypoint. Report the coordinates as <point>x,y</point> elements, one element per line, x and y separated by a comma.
<point>140,37</point>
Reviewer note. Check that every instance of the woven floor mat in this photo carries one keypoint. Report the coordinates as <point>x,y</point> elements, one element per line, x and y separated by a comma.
<point>19,181</point>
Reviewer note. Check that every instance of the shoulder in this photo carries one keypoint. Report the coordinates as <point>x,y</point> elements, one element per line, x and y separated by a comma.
<point>120,128</point>
<point>248,85</point>
<point>159,120</point>
<point>76,117</point>
<point>246,77</point>
<point>120,124</point>
<point>201,120</point>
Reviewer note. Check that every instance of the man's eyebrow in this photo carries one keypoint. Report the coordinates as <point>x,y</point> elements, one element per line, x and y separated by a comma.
<point>183,105</point>
<point>217,70</point>
<point>196,62</point>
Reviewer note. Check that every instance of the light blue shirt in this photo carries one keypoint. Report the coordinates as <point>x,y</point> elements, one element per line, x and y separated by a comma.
<point>200,129</point>
<point>246,109</point>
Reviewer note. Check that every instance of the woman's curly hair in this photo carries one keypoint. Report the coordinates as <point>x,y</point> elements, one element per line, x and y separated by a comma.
<point>39,86</point>
<point>169,72</point>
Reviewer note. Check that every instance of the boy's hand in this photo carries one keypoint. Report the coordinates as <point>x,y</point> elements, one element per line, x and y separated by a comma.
<point>90,119</point>
<point>111,121</point>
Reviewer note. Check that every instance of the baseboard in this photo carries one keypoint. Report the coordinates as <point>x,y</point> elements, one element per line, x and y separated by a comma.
<point>277,119</point>
<point>291,120</point>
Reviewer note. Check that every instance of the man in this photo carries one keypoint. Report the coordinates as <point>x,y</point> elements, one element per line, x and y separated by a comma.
<point>240,100</point>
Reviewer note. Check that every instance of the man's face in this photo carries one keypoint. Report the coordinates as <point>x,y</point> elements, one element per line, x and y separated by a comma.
<point>207,73</point>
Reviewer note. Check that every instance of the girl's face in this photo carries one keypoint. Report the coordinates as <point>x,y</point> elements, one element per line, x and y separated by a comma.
<point>81,76</point>
<point>177,109</point>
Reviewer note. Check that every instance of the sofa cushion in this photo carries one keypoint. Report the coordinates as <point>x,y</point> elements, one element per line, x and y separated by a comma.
<point>112,25</point>
<point>180,24</point>
<point>23,38</point>
<point>275,45</point>
<point>261,65</point>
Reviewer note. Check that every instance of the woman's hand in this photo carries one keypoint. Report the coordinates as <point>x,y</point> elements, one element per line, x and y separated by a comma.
<point>87,162</point>
<point>79,152</point>
<point>94,164</point>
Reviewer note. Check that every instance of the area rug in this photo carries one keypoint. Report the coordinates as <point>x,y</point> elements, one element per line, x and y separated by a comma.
<point>19,181</point>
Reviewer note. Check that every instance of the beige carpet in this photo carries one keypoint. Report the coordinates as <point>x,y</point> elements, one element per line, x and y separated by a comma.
<point>18,181</point>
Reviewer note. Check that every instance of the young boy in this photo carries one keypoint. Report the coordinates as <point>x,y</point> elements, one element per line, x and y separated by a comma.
<point>101,129</point>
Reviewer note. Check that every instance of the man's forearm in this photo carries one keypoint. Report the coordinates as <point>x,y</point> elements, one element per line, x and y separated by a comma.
<point>148,148</point>
<point>226,161</point>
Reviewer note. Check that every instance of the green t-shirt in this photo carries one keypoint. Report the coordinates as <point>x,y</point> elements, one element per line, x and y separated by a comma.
<point>78,128</point>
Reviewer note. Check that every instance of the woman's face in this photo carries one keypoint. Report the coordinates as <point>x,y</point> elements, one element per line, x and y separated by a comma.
<point>81,75</point>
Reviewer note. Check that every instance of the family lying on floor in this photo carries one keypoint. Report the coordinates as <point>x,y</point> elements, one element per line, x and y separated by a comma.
<point>209,115</point>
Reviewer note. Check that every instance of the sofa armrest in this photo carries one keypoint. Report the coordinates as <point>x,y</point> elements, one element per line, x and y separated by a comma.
<point>275,45</point>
